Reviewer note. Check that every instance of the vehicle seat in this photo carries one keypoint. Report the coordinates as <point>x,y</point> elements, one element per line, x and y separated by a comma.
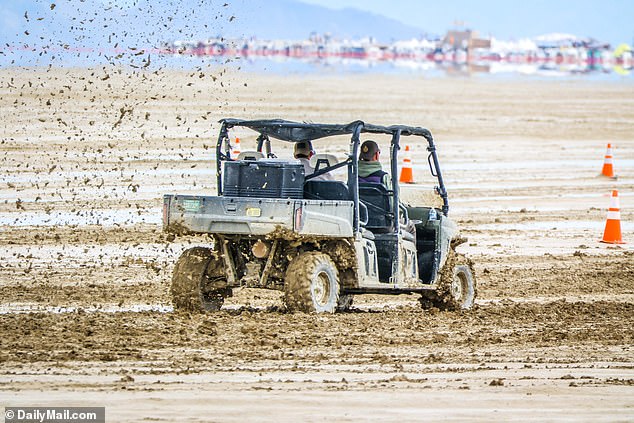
<point>326,190</point>
<point>250,155</point>
<point>322,161</point>
<point>377,199</point>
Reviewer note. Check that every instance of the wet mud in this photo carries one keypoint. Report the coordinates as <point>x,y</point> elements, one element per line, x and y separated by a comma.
<point>85,310</point>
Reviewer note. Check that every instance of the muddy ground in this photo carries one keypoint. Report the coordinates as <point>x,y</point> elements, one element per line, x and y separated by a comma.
<point>85,316</point>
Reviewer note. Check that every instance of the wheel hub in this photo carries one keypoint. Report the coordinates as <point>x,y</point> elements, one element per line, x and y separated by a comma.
<point>457,287</point>
<point>321,289</point>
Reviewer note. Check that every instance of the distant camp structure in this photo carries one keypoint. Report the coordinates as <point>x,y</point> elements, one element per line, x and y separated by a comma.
<point>547,53</point>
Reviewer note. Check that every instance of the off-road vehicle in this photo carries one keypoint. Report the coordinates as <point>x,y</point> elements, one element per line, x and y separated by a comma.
<point>319,241</point>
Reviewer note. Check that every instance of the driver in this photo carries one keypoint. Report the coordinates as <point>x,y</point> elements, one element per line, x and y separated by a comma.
<point>370,169</point>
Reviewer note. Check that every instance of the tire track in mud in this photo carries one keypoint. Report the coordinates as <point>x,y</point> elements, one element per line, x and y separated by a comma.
<point>527,332</point>
<point>115,266</point>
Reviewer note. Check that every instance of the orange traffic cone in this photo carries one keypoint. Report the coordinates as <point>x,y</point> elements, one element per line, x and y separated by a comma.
<point>612,233</point>
<point>608,167</point>
<point>236,147</point>
<point>406,172</point>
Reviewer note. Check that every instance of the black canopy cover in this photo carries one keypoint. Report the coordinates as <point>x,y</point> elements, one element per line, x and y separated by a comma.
<point>300,131</point>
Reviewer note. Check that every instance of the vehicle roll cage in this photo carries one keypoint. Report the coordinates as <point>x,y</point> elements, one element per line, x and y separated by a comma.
<point>297,131</point>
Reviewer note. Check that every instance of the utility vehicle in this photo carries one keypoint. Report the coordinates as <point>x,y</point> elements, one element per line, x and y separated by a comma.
<point>321,242</point>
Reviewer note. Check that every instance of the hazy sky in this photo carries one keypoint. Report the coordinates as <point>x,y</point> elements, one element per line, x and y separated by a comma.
<point>82,22</point>
<point>607,20</point>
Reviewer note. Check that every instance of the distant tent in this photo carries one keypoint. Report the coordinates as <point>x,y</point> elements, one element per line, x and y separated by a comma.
<point>622,49</point>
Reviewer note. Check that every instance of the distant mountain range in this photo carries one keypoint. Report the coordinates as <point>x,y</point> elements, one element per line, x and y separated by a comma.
<point>291,19</point>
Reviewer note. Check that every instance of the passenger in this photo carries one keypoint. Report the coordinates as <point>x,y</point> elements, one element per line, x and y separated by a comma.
<point>303,151</point>
<point>370,169</point>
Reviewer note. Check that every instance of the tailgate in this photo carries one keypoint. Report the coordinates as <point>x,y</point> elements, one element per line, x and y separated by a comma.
<point>226,215</point>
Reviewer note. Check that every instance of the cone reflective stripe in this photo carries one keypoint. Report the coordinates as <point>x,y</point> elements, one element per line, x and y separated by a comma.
<point>612,232</point>
<point>407,176</point>
<point>236,147</point>
<point>608,167</point>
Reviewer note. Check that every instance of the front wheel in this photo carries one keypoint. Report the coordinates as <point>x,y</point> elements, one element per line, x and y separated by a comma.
<point>312,284</point>
<point>456,286</point>
<point>462,287</point>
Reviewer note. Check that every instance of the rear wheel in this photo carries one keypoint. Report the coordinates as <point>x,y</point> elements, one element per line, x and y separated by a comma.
<point>312,284</point>
<point>456,286</point>
<point>199,281</point>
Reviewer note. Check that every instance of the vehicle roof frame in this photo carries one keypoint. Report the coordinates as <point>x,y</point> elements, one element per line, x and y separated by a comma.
<point>290,131</point>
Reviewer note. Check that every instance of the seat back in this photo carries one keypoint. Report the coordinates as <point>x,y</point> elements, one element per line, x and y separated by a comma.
<point>326,190</point>
<point>377,199</point>
<point>322,161</point>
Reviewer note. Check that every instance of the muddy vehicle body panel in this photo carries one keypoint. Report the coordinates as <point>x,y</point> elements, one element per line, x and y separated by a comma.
<point>273,226</point>
<point>257,216</point>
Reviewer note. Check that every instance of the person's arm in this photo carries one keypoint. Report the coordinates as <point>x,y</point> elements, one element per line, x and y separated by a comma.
<point>387,181</point>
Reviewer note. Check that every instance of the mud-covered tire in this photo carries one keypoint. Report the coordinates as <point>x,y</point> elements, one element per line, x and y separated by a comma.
<point>462,287</point>
<point>345,302</point>
<point>456,286</point>
<point>312,284</point>
<point>197,281</point>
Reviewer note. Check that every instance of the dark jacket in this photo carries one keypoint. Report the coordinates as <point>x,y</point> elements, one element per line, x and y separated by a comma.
<point>373,172</point>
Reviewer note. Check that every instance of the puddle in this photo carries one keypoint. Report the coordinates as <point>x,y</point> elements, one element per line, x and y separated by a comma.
<point>22,308</point>
<point>526,165</point>
<point>36,308</point>
<point>89,194</point>
<point>563,189</point>
<point>77,177</point>
<point>553,225</point>
<point>78,256</point>
<point>123,217</point>
<point>590,298</point>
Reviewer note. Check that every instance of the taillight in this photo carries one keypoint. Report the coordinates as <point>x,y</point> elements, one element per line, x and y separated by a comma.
<point>299,221</point>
